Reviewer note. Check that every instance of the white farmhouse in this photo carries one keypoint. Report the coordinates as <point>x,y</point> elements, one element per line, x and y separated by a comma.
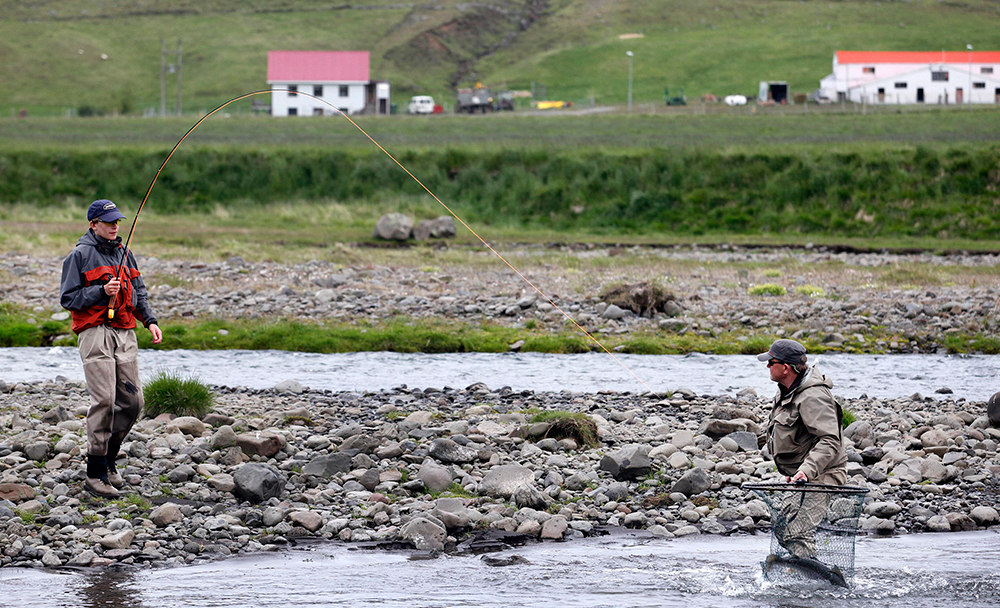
<point>905,77</point>
<point>298,78</point>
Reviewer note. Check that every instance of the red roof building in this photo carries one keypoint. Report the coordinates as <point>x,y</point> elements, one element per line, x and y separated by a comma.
<point>907,77</point>
<point>319,83</point>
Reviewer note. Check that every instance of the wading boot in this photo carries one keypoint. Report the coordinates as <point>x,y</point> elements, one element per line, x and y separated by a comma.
<point>114,477</point>
<point>97,478</point>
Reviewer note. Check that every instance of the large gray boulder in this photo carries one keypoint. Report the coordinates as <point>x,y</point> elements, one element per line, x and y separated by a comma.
<point>693,482</point>
<point>424,534</point>
<point>257,482</point>
<point>327,465</point>
<point>435,477</point>
<point>452,512</point>
<point>446,450</point>
<point>993,409</point>
<point>527,495</point>
<point>438,228</point>
<point>629,462</point>
<point>503,480</point>
<point>393,227</point>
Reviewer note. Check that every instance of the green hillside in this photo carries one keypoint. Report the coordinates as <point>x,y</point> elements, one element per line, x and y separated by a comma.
<point>51,51</point>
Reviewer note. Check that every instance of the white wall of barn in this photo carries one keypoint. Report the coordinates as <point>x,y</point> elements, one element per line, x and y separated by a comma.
<point>282,101</point>
<point>901,83</point>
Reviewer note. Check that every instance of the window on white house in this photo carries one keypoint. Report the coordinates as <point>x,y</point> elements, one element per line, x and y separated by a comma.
<point>900,85</point>
<point>978,85</point>
<point>293,111</point>
<point>317,90</point>
<point>343,90</point>
<point>317,111</point>
<point>939,76</point>
<point>985,70</point>
<point>868,70</point>
<point>293,90</point>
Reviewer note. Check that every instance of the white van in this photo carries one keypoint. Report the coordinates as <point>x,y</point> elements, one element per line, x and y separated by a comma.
<point>421,104</point>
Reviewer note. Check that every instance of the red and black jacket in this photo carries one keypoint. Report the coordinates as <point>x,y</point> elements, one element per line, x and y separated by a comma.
<point>85,272</point>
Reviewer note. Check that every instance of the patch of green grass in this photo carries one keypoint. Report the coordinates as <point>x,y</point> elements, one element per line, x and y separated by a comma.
<point>16,330</point>
<point>455,490</point>
<point>767,289</point>
<point>810,290</point>
<point>772,273</point>
<point>26,518</point>
<point>847,418</point>
<point>169,392</point>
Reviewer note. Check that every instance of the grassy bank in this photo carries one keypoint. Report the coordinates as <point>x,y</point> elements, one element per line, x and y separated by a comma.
<point>405,335</point>
<point>888,194</point>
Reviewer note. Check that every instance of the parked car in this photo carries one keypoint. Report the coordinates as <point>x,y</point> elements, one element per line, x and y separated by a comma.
<point>421,104</point>
<point>735,100</point>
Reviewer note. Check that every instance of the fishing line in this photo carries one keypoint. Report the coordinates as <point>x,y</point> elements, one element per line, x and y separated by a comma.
<point>400,165</point>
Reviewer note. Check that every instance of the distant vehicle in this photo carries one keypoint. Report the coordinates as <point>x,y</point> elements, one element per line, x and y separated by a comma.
<point>553,105</point>
<point>421,104</point>
<point>676,100</point>
<point>504,101</point>
<point>474,100</point>
<point>735,100</point>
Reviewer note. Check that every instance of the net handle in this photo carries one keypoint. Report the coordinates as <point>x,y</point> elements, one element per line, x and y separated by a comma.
<point>805,487</point>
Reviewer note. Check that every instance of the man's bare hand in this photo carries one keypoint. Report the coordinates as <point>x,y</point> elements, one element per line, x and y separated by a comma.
<point>112,287</point>
<point>157,334</point>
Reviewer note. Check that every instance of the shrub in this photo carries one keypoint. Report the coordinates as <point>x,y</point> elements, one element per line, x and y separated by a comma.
<point>811,290</point>
<point>170,393</point>
<point>767,289</point>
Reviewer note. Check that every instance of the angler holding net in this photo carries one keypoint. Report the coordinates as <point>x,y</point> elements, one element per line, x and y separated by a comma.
<point>804,439</point>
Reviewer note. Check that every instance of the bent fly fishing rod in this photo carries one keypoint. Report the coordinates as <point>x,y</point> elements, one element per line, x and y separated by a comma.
<point>121,266</point>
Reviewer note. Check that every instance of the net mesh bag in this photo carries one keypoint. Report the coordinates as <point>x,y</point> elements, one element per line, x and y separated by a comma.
<point>813,528</point>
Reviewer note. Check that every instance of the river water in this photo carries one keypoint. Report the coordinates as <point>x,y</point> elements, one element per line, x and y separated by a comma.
<point>919,571</point>
<point>622,570</point>
<point>973,377</point>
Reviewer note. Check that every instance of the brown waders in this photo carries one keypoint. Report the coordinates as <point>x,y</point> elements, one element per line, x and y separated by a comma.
<point>111,368</point>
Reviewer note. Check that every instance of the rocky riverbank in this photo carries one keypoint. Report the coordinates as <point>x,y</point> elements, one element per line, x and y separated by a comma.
<point>429,468</point>
<point>856,302</point>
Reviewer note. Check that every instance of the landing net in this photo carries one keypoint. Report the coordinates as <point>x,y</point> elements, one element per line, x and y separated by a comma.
<point>813,528</point>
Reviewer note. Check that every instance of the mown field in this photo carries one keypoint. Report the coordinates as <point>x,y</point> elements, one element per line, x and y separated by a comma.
<point>59,57</point>
<point>880,178</point>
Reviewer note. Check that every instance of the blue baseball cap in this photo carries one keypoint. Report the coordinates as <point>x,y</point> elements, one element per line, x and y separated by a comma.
<point>103,210</point>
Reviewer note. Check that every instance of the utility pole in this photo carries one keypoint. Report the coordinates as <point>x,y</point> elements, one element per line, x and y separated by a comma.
<point>164,68</point>
<point>629,53</point>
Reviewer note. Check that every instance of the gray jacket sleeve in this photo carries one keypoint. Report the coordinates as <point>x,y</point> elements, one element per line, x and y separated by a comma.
<point>73,294</point>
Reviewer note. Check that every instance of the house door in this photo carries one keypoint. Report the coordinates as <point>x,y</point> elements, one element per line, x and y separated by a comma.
<point>382,106</point>
<point>920,96</point>
<point>881,95</point>
<point>996,95</point>
<point>958,95</point>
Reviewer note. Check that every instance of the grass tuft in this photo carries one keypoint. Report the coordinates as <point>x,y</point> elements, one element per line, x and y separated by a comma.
<point>169,392</point>
<point>573,425</point>
<point>767,289</point>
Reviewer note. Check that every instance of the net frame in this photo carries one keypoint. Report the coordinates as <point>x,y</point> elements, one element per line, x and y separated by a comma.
<point>813,529</point>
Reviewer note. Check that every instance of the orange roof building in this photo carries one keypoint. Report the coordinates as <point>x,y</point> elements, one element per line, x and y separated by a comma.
<point>908,77</point>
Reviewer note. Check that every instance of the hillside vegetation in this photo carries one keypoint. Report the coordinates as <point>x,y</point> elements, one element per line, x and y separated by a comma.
<point>54,52</point>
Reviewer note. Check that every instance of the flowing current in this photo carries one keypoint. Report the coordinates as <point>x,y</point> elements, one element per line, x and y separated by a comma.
<point>972,377</point>
<point>625,570</point>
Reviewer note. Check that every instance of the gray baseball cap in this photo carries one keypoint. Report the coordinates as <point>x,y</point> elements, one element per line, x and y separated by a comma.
<point>786,351</point>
